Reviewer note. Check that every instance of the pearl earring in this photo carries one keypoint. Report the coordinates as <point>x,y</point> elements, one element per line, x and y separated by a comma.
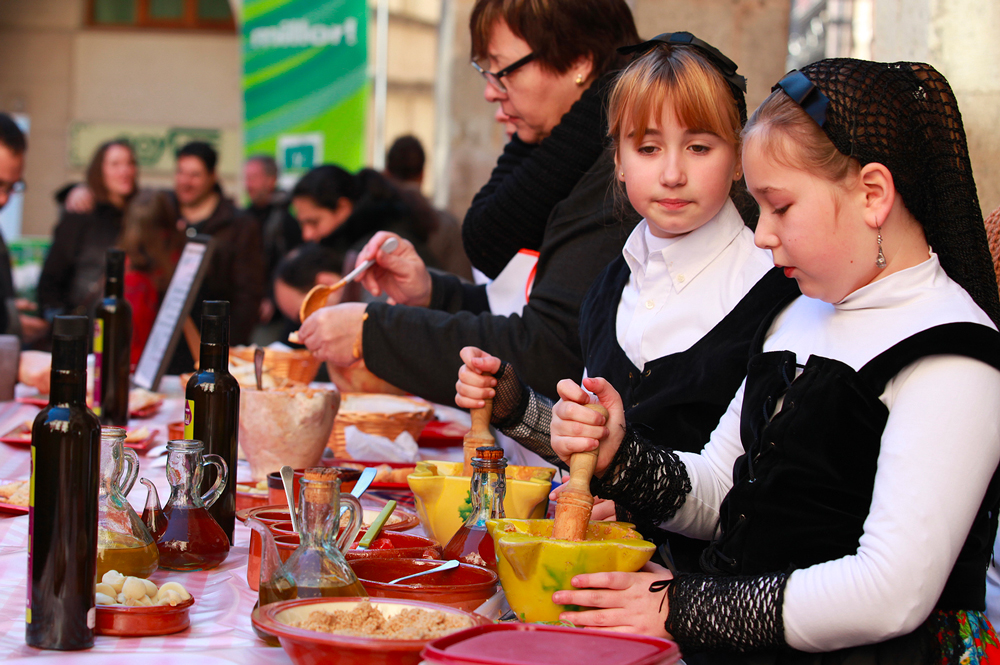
<point>880,260</point>
<point>621,174</point>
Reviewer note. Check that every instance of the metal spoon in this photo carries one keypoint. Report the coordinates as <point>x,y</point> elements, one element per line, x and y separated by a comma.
<point>367,476</point>
<point>287,475</point>
<point>447,565</point>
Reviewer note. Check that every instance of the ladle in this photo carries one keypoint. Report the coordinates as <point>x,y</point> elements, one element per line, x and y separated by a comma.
<point>316,298</point>
<point>448,565</point>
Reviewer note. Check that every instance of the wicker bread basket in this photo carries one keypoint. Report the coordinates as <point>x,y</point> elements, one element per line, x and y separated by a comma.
<point>297,365</point>
<point>384,415</point>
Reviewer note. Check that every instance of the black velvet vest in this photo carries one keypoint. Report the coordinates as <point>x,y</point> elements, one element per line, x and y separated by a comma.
<point>803,489</point>
<point>677,400</point>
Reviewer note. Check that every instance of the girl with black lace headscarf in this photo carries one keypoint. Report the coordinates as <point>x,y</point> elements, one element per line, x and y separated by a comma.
<point>851,489</point>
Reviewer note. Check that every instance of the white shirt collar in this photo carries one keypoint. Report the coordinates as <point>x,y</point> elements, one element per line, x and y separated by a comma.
<point>686,256</point>
<point>897,288</point>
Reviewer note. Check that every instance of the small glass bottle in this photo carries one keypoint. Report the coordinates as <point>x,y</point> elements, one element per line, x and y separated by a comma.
<point>192,539</point>
<point>62,522</point>
<point>123,541</point>
<point>471,543</point>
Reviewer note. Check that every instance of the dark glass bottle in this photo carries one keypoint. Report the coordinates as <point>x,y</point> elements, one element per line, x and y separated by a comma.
<point>112,345</point>
<point>65,478</point>
<point>212,413</point>
<point>471,543</point>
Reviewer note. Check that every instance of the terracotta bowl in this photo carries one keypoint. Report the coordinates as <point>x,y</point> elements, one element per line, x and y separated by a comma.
<point>142,621</point>
<point>466,587</point>
<point>175,430</point>
<point>276,487</point>
<point>308,647</point>
<point>404,546</point>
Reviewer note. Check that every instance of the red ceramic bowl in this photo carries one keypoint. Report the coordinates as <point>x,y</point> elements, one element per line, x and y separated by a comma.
<point>276,488</point>
<point>286,545</point>
<point>309,647</point>
<point>175,430</point>
<point>404,546</point>
<point>143,621</point>
<point>282,528</point>
<point>245,500</point>
<point>466,587</point>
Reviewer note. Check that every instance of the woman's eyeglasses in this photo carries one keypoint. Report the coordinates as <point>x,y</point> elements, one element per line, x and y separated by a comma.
<point>493,78</point>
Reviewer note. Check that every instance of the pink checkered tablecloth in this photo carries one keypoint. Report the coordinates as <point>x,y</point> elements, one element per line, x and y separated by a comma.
<point>220,629</point>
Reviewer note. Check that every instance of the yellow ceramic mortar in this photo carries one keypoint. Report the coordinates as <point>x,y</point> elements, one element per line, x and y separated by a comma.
<point>532,566</point>
<point>443,502</point>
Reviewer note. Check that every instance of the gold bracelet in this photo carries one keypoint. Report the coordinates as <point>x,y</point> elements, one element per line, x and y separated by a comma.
<point>356,349</point>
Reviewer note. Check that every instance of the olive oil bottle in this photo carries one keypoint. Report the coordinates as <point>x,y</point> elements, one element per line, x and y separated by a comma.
<point>112,345</point>
<point>212,412</point>
<point>65,474</point>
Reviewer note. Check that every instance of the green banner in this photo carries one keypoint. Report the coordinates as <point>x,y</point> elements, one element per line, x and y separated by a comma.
<point>305,84</point>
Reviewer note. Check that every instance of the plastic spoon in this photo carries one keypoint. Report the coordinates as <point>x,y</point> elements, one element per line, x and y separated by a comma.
<point>287,475</point>
<point>376,526</point>
<point>448,565</point>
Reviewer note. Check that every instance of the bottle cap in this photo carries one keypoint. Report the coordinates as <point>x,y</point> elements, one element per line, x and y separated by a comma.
<point>70,327</point>
<point>115,269</point>
<point>215,308</point>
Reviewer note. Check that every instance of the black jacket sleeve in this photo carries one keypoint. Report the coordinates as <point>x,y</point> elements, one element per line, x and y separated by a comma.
<point>510,212</point>
<point>57,271</point>
<point>417,349</point>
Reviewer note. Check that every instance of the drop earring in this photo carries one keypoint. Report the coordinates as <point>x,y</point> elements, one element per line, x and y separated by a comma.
<point>579,79</point>
<point>880,259</point>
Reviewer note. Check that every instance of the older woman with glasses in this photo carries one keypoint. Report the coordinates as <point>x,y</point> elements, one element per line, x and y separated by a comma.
<point>549,66</point>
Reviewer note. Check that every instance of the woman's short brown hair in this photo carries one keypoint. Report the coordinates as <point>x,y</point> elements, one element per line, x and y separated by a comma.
<point>559,31</point>
<point>95,170</point>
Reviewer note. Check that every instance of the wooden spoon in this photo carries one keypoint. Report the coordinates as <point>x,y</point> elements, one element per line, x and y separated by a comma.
<point>479,434</point>
<point>317,296</point>
<point>575,502</point>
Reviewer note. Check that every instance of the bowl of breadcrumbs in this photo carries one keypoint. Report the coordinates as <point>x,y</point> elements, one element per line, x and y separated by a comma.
<point>350,631</point>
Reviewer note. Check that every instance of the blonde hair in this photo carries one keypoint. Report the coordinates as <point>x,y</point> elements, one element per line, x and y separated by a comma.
<point>789,136</point>
<point>678,76</point>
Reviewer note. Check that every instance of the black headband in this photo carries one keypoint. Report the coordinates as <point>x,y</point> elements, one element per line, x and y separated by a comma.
<point>725,66</point>
<point>804,93</point>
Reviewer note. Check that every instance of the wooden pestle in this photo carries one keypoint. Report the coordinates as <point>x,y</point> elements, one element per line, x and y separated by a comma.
<point>478,435</point>
<point>575,502</point>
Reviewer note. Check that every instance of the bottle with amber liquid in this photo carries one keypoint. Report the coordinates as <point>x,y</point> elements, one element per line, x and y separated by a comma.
<point>112,345</point>
<point>212,411</point>
<point>65,473</point>
<point>471,543</point>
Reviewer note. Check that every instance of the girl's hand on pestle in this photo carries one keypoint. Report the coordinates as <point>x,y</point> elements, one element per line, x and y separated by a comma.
<point>401,275</point>
<point>575,428</point>
<point>604,509</point>
<point>623,600</point>
<point>473,387</point>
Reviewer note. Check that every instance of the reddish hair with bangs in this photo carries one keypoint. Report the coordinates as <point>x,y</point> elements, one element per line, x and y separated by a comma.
<point>559,31</point>
<point>682,78</point>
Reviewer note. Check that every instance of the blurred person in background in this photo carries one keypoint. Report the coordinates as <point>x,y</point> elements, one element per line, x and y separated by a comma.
<point>280,233</point>
<point>33,366</point>
<point>342,211</point>
<point>72,279</point>
<point>303,268</point>
<point>404,163</point>
<point>152,243</point>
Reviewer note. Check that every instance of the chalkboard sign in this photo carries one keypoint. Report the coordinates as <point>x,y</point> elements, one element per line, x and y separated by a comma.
<point>174,311</point>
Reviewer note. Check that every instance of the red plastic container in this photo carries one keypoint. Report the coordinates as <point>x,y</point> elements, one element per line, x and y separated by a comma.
<point>538,644</point>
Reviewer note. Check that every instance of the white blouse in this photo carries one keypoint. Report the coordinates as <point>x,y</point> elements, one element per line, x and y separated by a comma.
<point>680,288</point>
<point>940,447</point>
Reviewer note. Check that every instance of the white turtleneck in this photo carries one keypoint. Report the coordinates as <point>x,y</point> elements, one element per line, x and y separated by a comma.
<point>940,447</point>
<point>680,288</point>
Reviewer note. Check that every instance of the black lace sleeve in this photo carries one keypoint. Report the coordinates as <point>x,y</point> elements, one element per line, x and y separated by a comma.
<point>644,480</point>
<point>524,415</point>
<point>722,613</point>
